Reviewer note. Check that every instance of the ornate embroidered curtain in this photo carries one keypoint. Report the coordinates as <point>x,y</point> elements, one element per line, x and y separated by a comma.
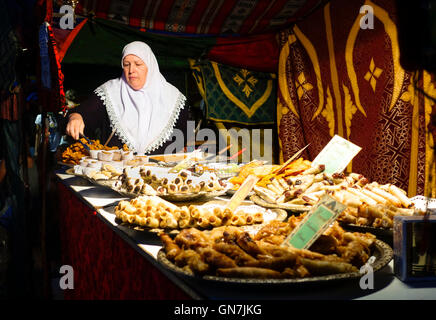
<point>336,78</point>
<point>236,95</point>
<point>241,104</point>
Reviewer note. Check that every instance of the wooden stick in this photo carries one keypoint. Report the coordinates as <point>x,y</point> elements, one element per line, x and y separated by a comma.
<point>237,154</point>
<point>109,139</point>
<point>219,153</point>
<point>283,166</point>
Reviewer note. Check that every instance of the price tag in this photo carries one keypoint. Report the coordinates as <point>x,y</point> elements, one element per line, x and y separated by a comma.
<point>315,223</point>
<point>242,192</point>
<point>336,155</point>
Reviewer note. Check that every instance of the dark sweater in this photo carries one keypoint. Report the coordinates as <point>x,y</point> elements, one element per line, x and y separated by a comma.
<point>97,123</point>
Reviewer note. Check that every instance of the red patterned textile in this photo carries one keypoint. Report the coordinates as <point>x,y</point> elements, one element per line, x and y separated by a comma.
<point>43,11</point>
<point>105,266</point>
<point>9,106</point>
<point>64,38</point>
<point>338,78</point>
<point>58,95</point>
<point>258,53</point>
<point>201,17</point>
<point>53,100</point>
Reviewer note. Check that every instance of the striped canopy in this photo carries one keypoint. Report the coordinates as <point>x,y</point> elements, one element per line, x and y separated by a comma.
<point>202,16</point>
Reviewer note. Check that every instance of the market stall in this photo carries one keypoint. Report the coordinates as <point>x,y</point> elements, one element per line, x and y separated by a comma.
<point>320,212</point>
<point>116,262</point>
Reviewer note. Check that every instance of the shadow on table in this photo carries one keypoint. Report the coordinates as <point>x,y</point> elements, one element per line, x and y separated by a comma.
<point>96,191</point>
<point>76,182</point>
<point>420,284</point>
<point>342,289</point>
<point>140,236</point>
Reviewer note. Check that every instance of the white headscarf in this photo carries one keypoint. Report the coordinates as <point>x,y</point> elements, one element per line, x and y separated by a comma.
<point>143,119</point>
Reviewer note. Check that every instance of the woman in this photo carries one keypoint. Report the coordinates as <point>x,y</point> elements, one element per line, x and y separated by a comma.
<point>139,109</point>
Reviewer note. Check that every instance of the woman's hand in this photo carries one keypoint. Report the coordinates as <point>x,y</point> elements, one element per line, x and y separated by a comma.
<point>75,126</point>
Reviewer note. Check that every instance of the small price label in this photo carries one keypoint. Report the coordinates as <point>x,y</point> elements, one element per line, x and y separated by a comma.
<point>242,192</point>
<point>315,223</point>
<point>336,155</point>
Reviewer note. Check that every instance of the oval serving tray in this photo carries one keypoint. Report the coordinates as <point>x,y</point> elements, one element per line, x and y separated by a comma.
<point>382,252</point>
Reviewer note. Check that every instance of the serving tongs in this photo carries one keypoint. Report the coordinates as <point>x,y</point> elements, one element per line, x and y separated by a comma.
<point>84,144</point>
<point>86,138</point>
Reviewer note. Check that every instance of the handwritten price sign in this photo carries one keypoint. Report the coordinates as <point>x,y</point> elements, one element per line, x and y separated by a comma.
<point>315,223</point>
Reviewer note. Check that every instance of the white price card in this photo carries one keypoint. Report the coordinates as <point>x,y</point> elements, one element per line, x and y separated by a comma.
<point>336,155</point>
<point>315,223</point>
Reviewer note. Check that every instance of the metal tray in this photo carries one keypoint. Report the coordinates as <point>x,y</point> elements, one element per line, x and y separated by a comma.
<point>381,251</point>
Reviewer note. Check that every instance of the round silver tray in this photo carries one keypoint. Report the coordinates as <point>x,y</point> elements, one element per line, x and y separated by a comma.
<point>382,252</point>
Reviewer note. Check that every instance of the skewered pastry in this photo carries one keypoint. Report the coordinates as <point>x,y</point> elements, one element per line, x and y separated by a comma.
<point>164,182</point>
<point>171,222</point>
<point>152,222</point>
<point>138,186</point>
<point>184,189</point>
<point>202,184</point>
<point>100,176</point>
<point>177,181</point>
<point>184,213</point>
<point>146,189</point>
<point>161,190</point>
<point>218,212</point>
<point>172,188</point>
<point>194,188</point>
<point>208,187</point>
<point>183,174</point>
<point>138,202</point>
<point>401,195</point>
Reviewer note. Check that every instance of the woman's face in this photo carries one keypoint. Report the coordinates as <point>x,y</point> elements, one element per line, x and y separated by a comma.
<point>135,71</point>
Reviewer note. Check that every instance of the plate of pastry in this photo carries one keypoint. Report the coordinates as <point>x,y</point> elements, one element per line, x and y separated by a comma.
<point>158,181</point>
<point>152,213</point>
<point>229,255</point>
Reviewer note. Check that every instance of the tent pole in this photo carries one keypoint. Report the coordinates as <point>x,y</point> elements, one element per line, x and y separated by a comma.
<point>44,177</point>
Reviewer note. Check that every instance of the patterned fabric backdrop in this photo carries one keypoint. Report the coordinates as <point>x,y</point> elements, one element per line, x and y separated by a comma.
<point>348,81</point>
<point>236,95</point>
<point>241,103</point>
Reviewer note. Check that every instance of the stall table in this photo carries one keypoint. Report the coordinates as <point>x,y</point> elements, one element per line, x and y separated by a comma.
<point>115,262</point>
